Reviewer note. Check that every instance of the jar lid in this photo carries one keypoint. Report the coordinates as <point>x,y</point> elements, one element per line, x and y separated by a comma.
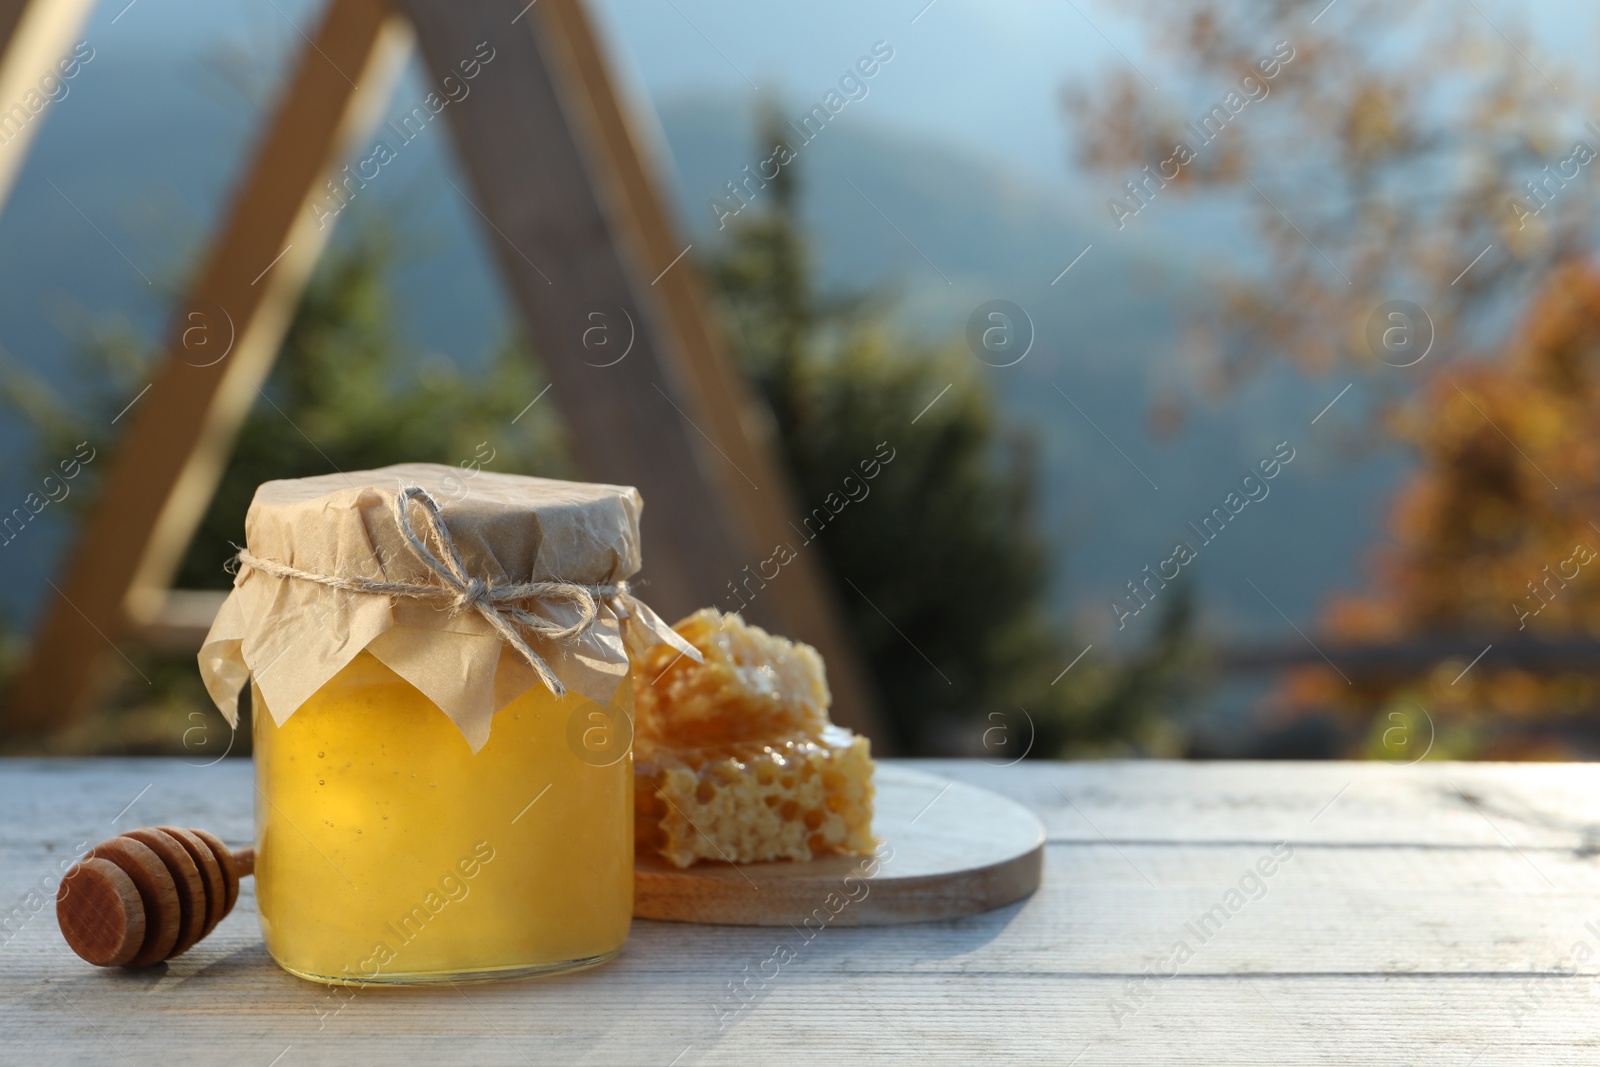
<point>471,585</point>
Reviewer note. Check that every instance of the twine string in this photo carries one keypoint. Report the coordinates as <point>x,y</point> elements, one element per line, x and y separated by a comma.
<point>501,605</point>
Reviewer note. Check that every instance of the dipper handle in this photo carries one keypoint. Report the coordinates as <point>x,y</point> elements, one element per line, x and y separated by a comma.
<point>149,895</point>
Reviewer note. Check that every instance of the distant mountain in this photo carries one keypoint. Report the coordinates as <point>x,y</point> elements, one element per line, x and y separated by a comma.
<point>951,231</point>
<point>148,155</point>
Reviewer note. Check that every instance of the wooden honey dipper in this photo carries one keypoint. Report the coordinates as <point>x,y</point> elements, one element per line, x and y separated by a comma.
<point>149,894</point>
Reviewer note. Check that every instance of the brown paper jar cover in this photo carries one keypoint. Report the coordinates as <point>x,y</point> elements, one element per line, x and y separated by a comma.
<point>292,636</point>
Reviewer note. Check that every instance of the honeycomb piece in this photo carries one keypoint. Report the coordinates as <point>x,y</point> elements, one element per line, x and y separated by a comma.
<point>752,686</point>
<point>735,758</point>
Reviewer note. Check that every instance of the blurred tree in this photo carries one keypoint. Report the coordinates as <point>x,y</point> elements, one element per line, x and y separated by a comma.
<point>346,393</point>
<point>945,544</point>
<point>1495,537</point>
<point>1390,147</point>
<point>1413,154</point>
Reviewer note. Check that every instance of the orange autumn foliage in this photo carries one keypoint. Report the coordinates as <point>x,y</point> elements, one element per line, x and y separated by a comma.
<point>1404,152</point>
<point>1495,535</point>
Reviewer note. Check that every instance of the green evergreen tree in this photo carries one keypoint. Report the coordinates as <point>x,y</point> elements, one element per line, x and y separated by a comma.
<point>345,394</point>
<point>941,570</point>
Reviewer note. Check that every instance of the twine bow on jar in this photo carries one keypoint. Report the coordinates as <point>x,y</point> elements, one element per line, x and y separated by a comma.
<point>499,604</point>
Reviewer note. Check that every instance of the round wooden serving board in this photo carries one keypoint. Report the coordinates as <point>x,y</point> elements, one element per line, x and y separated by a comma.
<point>948,849</point>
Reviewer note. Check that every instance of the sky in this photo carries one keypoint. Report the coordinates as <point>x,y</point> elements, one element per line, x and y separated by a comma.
<point>984,74</point>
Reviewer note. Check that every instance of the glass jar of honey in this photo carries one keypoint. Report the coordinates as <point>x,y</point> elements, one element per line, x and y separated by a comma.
<point>442,721</point>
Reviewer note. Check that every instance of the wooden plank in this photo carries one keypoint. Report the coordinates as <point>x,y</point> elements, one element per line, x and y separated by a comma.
<point>843,1016</point>
<point>1415,655</point>
<point>1381,912</point>
<point>586,245</point>
<point>34,37</point>
<point>802,595</point>
<point>1130,803</point>
<point>179,436</point>
<point>1355,953</point>
<point>180,625</point>
<point>1543,808</point>
<point>850,1018</point>
<point>1371,803</point>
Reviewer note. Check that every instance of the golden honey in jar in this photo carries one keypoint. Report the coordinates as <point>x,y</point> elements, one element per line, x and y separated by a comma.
<point>441,795</point>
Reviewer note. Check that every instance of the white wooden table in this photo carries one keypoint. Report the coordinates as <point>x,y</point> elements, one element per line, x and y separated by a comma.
<point>1437,914</point>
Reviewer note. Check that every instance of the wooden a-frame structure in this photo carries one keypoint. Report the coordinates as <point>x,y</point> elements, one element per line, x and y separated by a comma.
<point>578,228</point>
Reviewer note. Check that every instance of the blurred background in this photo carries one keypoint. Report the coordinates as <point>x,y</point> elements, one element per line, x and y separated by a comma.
<point>1287,446</point>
